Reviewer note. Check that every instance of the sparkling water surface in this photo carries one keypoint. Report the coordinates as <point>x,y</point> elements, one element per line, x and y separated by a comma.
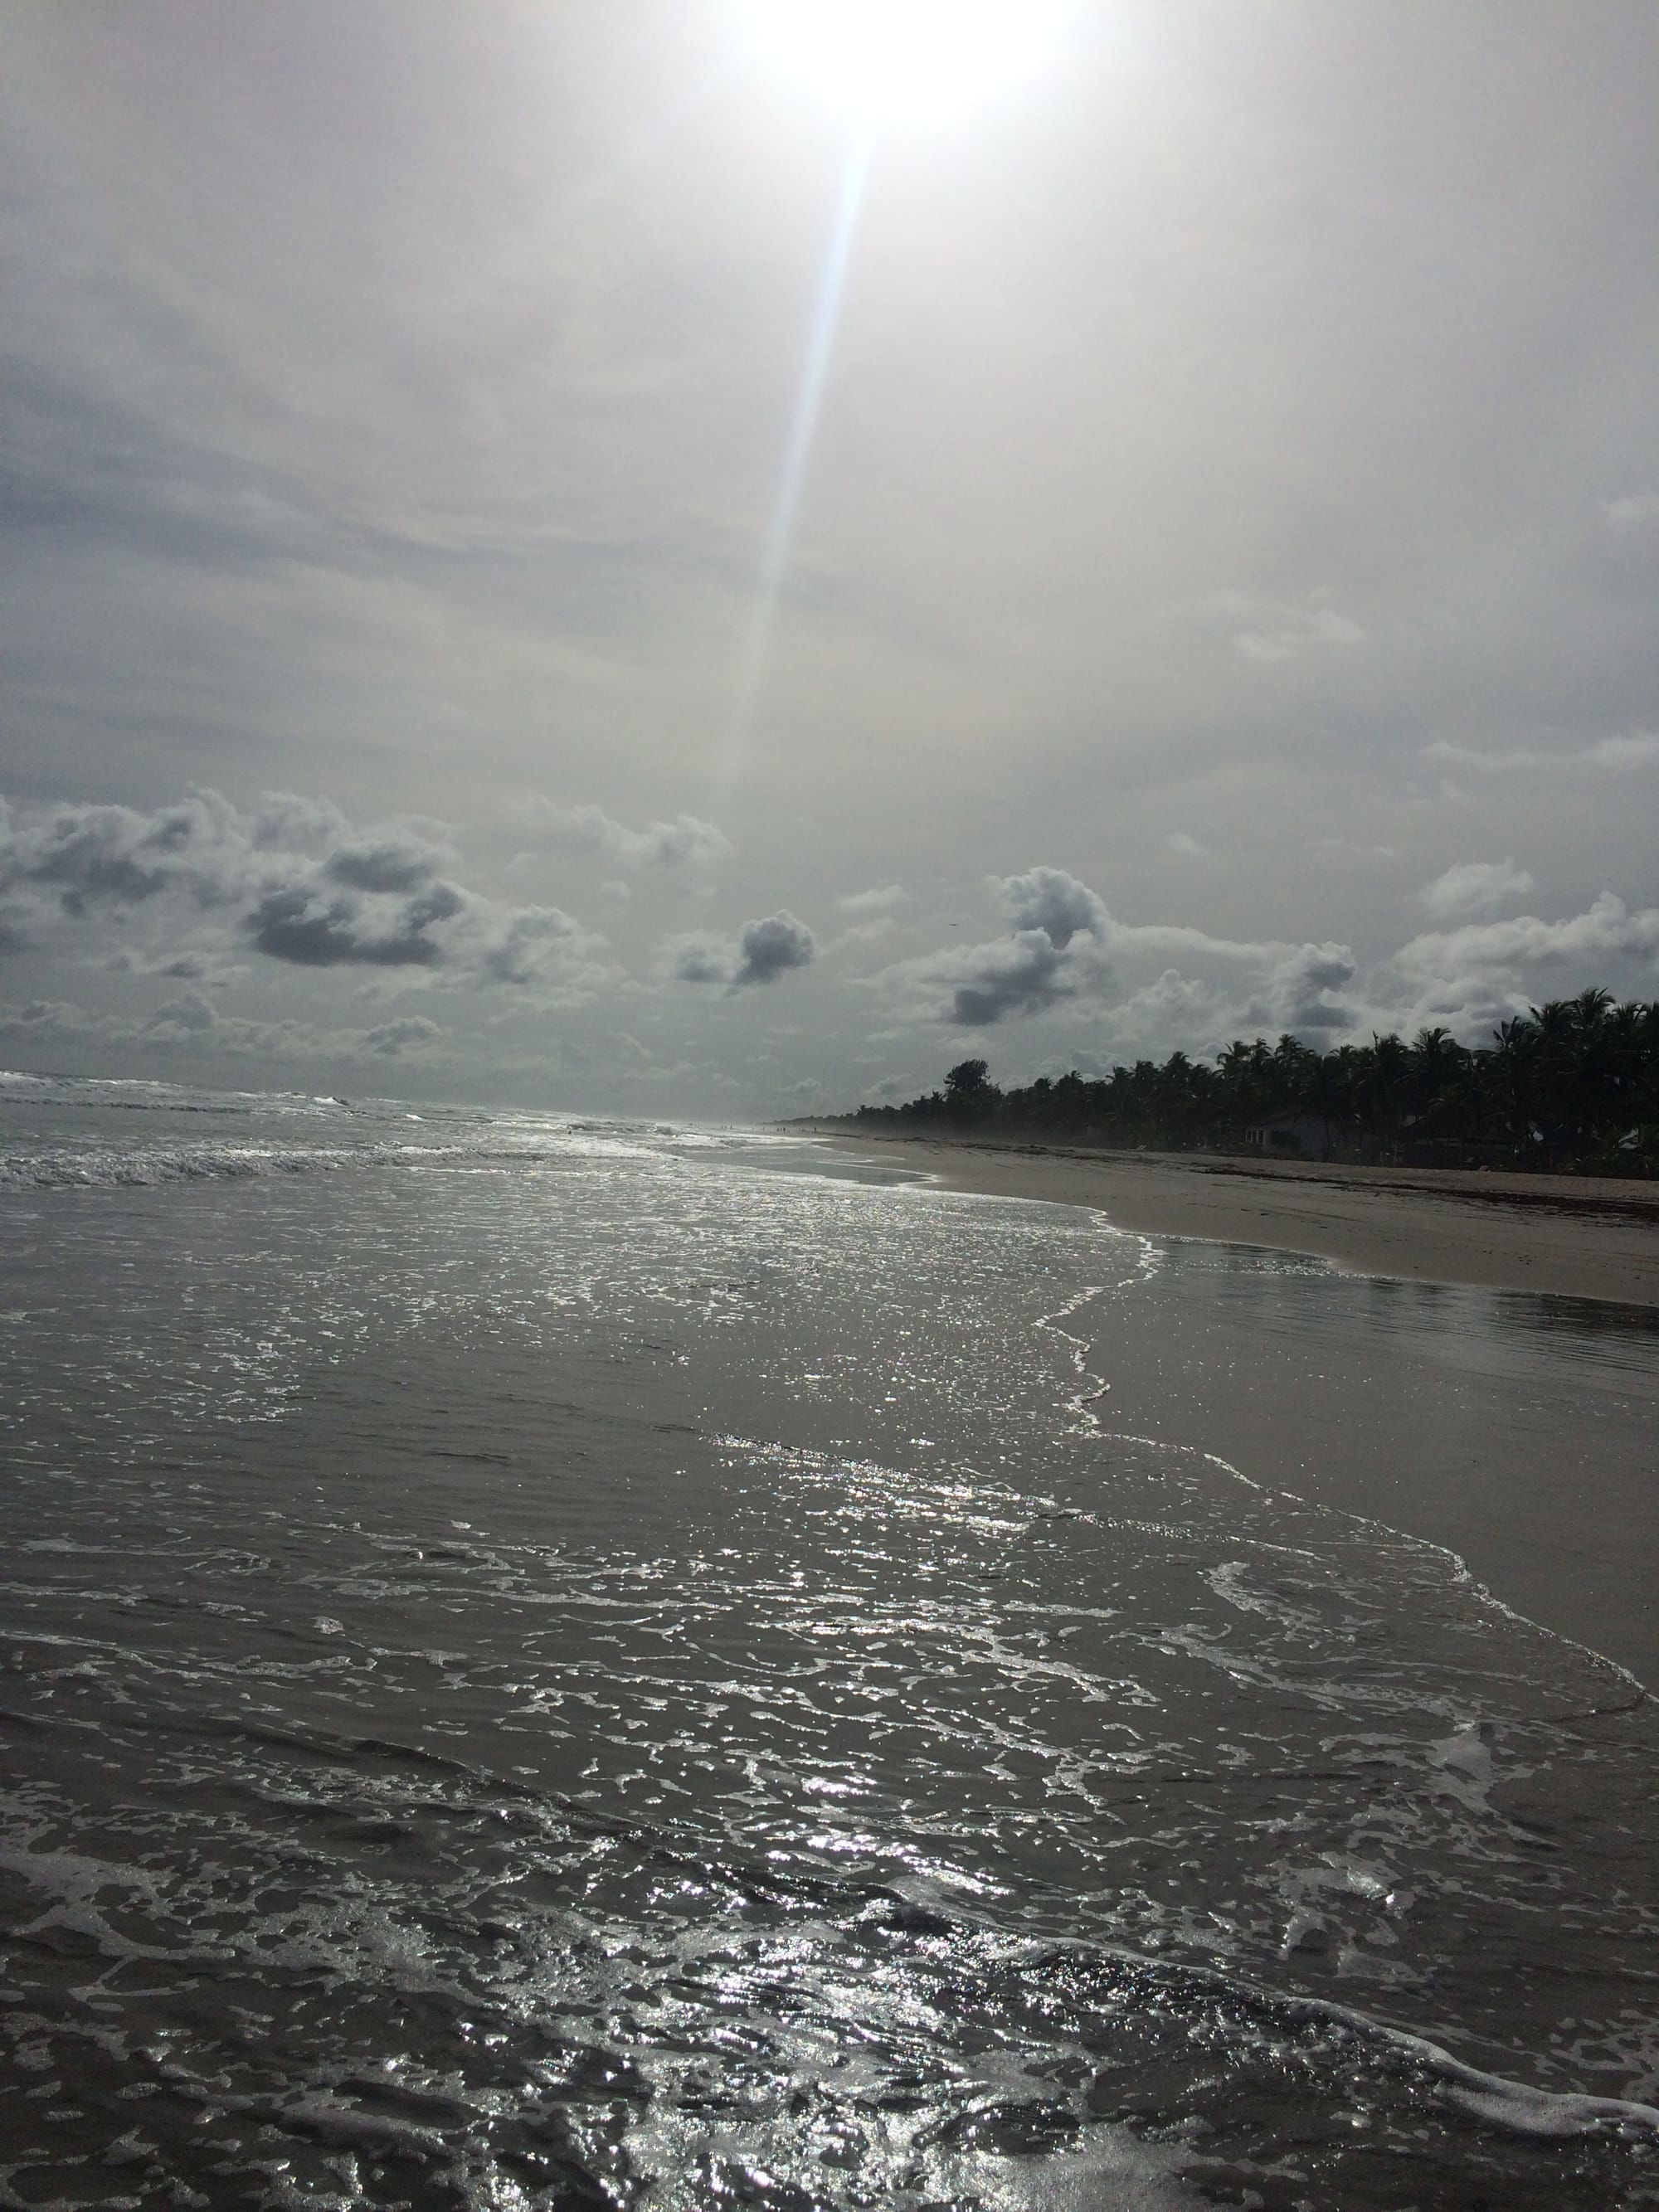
<point>572,1663</point>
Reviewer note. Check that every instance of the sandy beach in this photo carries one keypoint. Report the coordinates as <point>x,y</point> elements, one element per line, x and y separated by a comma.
<point>1573,1236</point>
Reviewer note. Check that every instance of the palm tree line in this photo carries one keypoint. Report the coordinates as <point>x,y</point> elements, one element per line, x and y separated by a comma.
<point>1572,1085</point>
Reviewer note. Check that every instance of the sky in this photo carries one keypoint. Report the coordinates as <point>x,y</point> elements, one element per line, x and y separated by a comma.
<point>548,556</point>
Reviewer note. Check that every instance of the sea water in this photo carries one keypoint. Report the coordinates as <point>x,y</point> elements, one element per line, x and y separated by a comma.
<point>562,1663</point>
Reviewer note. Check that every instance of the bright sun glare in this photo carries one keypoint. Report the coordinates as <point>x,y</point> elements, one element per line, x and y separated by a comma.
<point>901,60</point>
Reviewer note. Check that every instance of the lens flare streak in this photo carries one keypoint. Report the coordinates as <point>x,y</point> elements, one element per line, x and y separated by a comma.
<point>797,456</point>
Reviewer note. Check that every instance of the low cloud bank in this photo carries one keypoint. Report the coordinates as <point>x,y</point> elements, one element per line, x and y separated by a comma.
<point>191,1021</point>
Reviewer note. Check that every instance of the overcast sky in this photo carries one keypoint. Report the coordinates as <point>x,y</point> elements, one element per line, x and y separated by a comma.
<point>522,581</point>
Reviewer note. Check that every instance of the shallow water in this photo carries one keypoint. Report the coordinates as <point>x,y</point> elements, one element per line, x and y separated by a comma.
<point>559,1663</point>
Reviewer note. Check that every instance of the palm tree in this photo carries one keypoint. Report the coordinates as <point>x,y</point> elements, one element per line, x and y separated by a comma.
<point>1570,1078</point>
<point>1435,1065</point>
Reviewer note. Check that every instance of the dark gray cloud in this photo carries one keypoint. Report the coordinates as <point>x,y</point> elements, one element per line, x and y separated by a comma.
<point>316,925</point>
<point>762,951</point>
<point>300,884</point>
<point>89,856</point>
<point>377,899</point>
<point>1052,952</point>
<point>1024,973</point>
<point>770,948</point>
<point>1065,947</point>
<point>387,863</point>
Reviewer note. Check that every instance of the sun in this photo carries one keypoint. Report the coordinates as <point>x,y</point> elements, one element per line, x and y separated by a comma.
<point>895,61</point>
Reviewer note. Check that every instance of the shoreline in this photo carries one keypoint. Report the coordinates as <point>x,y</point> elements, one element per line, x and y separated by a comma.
<point>1344,1429</point>
<point>1575,1238</point>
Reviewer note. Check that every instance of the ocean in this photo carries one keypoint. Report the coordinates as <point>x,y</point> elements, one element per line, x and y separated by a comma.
<point>586,1663</point>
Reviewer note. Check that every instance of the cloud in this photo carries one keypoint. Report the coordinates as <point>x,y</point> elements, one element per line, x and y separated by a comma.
<point>87,857</point>
<point>687,842</point>
<point>191,1020</point>
<point>1158,939</point>
<point>315,923</point>
<point>179,1019</point>
<point>702,959</point>
<point>1179,841</point>
<point>305,887</point>
<point>1024,973</point>
<point>1065,945</point>
<point>1639,749</point>
<point>286,821</point>
<point>873,901</point>
<point>23,921</point>
<point>45,1017</point>
<point>391,862</point>
<point>1267,630</point>
<point>185,967</point>
<point>1210,990</point>
<point>1606,930</point>
<point>1475,887</point>
<point>1300,990</point>
<point>511,945</point>
<point>762,951</point>
<point>770,948</point>
<point>1635,511</point>
<point>192,964</point>
<point>1049,900</point>
<point>1173,1011</point>
<point>406,1034</point>
<point>1345,849</point>
<point>1041,962</point>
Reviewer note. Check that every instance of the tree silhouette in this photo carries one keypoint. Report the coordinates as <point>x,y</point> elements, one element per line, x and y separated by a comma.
<point>967,1078</point>
<point>1570,1084</point>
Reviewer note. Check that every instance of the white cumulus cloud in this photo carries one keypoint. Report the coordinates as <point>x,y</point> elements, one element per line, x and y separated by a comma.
<point>1475,887</point>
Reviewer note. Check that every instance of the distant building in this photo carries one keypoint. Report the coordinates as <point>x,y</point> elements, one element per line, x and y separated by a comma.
<point>1292,1137</point>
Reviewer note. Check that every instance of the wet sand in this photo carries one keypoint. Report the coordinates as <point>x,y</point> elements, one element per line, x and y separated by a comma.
<point>1576,1237</point>
<point>1553,1508</point>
